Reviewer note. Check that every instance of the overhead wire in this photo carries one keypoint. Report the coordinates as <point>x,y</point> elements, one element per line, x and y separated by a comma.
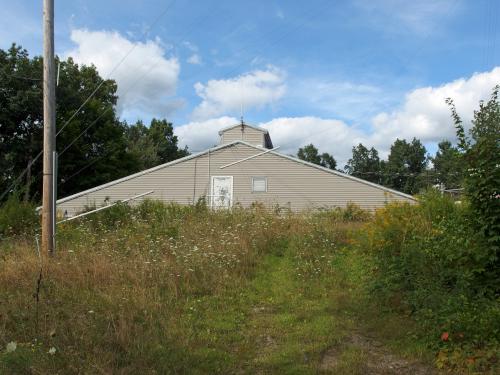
<point>145,33</point>
<point>193,24</point>
<point>103,81</point>
<point>264,39</point>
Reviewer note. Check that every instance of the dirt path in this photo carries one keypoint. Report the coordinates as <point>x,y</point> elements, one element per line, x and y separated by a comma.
<point>377,359</point>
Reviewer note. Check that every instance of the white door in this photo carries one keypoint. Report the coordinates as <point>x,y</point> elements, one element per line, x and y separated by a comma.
<point>222,191</point>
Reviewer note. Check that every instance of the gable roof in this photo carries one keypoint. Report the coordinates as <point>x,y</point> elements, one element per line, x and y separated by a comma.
<point>248,126</point>
<point>193,156</point>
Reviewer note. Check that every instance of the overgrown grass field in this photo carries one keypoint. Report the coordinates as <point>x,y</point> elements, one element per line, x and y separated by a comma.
<point>168,289</point>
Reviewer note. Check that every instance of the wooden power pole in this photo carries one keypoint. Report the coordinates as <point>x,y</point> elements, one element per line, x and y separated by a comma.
<point>49,128</point>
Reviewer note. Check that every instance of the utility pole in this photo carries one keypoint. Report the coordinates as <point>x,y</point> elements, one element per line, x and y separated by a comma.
<point>49,126</point>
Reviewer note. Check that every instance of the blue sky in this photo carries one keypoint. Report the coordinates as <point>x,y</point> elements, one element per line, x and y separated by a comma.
<point>334,73</point>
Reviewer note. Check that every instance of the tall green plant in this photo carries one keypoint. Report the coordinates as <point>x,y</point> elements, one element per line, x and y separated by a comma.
<point>17,217</point>
<point>482,178</point>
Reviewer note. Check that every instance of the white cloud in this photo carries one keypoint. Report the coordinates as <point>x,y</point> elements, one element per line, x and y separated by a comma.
<point>328,135</point>
<point>200,135</point>
<point>146,79</point>
<point>194,59</point>
<point>254,90</point>
<point>424,115</point>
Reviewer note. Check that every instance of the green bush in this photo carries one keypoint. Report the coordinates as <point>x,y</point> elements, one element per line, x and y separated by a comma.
<point>482,158</point>
<point>17,217</point>
<point>351,213</point>
<point>430,262</point>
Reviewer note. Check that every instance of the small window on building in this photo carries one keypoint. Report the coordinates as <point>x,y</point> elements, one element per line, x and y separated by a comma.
<point>259,184</point>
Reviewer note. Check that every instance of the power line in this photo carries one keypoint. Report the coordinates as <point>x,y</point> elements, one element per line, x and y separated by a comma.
<point>264,38</point>
<point>103,81</point>
<point>192,26</point>
<point>145,33</point>
<point>128,88</point>
<point>115,68</point>
<point>85,130</point>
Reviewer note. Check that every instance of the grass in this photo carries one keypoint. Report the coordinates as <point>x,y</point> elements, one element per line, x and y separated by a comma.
<point>166,289</point>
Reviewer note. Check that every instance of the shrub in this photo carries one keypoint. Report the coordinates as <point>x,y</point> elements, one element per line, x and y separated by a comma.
<point>17,217</point>
<point>431,262</point>
<point>482,157</point>
<point>351,213</point>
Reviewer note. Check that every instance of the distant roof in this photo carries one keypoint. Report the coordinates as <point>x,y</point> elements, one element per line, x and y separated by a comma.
<point>249,126</point>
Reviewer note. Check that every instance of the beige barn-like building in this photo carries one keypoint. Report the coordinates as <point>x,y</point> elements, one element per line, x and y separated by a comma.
<point>244,168</point>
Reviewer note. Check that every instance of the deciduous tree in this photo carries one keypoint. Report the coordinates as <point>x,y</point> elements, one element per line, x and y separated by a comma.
<point>404,166</point>
<point>311,154</point>
<point>365,164</point>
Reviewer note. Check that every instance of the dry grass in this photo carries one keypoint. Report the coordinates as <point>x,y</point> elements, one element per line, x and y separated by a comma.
<point>165,289</point>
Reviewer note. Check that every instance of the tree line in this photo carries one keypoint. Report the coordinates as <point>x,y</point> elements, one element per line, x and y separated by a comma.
<point>95,147</point>
<point>408,168</point>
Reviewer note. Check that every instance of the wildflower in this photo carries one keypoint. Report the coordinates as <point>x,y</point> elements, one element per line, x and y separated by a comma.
<point>11,346</point>
<point>52,351</point>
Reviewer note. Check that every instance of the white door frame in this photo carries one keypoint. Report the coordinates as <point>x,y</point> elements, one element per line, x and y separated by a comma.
<point>212,195</point>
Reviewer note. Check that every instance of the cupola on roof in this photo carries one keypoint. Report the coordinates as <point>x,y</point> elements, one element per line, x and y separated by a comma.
<point>254,135</point>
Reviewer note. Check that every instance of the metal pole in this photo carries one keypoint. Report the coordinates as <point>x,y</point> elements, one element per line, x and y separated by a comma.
<point>105,207</point>
<point>55,163</point>
<point>49,124</point>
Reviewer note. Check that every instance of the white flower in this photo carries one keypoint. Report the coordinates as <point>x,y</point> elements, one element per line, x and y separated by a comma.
<point>11,346</point>
<point>52,351</point>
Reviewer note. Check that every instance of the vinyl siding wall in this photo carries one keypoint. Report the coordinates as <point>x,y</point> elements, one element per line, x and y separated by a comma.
<point>289,183</point>
<point>252,136</point>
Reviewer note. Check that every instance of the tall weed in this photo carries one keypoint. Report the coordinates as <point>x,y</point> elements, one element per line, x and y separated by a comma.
<point>17,217</point>
<point>432,264</point>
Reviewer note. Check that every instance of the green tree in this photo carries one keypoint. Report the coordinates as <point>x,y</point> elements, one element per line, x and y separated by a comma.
<point>162,135</point>
<point>21,116</point>
<point>311,154</point>
<point>155,144</point>
<point>365,164</point>
<point>482,176</point>
<point>404,166</point>
<point>141,145</point>
<point>448,165</point>
<point>95,136</point>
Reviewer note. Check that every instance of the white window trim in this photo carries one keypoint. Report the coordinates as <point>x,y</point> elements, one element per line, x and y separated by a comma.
<point>252,186</point>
